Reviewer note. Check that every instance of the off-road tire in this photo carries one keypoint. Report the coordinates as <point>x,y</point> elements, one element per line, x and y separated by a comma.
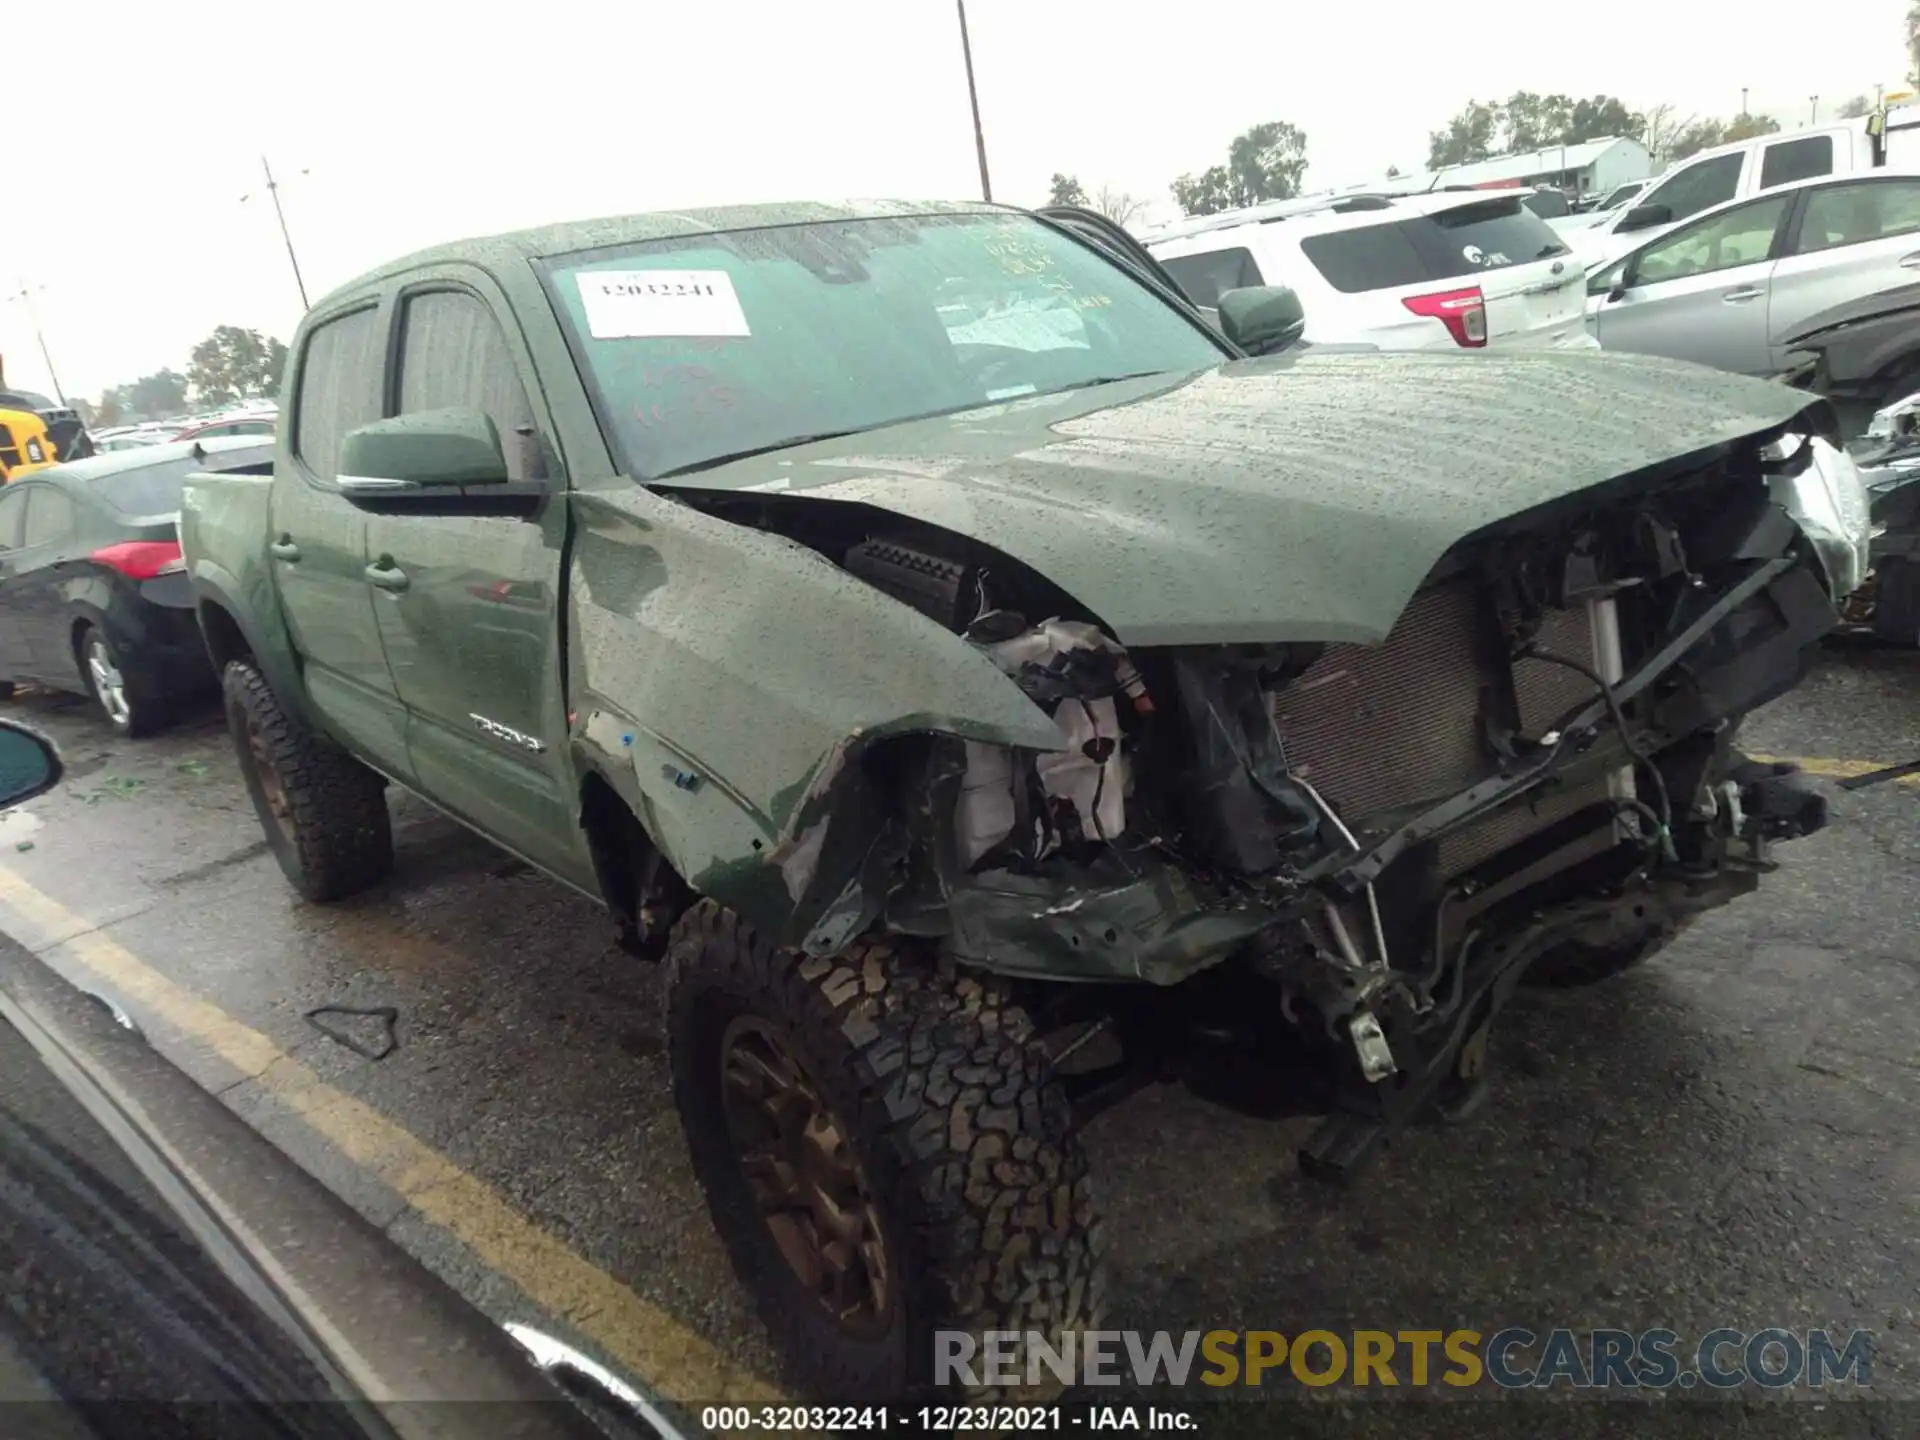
<point>1896,602</point>
<point>145,714</point>
<point>952,1110</point>
<point>337,838</point>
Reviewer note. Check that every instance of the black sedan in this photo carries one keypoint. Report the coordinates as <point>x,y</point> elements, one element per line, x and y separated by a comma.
<point>93,595</point>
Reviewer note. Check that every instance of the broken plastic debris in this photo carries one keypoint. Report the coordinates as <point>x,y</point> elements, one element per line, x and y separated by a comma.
<point>387,1015</point>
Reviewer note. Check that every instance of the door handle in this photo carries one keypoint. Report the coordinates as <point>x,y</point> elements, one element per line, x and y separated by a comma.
<point>383,574</point>
<point>284,549</point>
<point>1910,262</point>
<point>1742,296</point>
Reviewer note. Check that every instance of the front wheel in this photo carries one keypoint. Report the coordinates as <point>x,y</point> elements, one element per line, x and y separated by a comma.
<point>884,1152</point>
<point>324,812</point>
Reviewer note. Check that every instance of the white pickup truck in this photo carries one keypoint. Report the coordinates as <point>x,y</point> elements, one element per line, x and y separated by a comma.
<point>1745,167</point>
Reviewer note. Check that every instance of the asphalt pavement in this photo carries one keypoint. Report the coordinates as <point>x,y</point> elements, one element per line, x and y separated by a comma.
<point>1724,1138</point>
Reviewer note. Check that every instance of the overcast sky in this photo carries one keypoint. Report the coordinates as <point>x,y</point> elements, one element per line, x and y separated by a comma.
<point>398,124</point>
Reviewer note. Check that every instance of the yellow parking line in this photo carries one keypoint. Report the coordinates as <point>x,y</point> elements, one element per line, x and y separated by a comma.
<point>641,1336</point>
<point>1840,769</point>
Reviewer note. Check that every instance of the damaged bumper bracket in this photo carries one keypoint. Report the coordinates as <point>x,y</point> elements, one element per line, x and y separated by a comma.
<point>1470,804</point>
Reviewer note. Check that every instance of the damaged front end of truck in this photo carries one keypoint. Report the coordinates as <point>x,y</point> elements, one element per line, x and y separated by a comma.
<point>1340,858</point>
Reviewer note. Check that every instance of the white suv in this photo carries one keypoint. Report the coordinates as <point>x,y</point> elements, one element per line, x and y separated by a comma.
<point>1403,272</point>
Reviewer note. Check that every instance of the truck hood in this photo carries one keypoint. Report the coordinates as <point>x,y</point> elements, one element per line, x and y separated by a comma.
<point>1294,499</point>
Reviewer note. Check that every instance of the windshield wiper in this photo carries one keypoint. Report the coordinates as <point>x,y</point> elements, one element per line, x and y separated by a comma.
<point>1554,249</point>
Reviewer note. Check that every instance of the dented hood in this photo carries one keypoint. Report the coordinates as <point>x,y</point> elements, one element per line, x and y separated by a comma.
<point>1300,498</point>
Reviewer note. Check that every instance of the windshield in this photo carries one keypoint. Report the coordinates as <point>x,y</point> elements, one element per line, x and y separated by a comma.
<point>703,347</point>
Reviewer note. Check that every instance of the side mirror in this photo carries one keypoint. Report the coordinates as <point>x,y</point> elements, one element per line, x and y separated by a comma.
<point>1262,319</point>
<point>1645,217</point>
<point>427,450</point>
<point>29,765</point>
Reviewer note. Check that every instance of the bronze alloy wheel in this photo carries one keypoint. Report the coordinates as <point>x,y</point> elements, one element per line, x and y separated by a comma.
<point>804,1177</point>
<point>271,788</point>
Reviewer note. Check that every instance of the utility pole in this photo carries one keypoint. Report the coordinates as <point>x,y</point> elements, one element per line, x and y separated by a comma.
<point>273,193</point>
<point>1743,102</point>
<point>973,97</point>
<point>1814,100</point>
<point>25,296</point>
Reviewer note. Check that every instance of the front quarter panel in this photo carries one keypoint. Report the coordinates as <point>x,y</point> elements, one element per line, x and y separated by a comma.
<point>724,679</point>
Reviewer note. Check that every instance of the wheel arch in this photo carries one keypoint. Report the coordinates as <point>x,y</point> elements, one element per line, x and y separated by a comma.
<point>231,632</point>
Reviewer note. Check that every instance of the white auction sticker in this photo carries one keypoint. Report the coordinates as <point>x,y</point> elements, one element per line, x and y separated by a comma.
<point>660,304</point>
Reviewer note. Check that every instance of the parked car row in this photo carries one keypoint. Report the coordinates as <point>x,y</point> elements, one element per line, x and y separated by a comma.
<point>94,598</point>
<point>255,419</point>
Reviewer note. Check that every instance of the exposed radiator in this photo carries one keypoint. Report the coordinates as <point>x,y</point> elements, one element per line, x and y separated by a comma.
<point>1378,728</point>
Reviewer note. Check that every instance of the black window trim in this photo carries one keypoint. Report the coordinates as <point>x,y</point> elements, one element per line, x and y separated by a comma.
<point>1803,198</point>
<point>1776,248</point>
<point>440,280</point>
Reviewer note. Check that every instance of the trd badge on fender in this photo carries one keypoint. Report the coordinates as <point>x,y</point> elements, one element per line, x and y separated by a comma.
<point>507,733</point>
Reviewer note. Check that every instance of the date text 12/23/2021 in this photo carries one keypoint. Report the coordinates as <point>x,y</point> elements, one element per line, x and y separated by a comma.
<point>942,1419</point>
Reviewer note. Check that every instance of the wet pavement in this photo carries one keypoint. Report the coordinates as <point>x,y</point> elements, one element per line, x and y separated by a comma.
<point>1723,1138</point>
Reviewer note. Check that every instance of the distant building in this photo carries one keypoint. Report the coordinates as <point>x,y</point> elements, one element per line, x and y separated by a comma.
<point>1593,167</point>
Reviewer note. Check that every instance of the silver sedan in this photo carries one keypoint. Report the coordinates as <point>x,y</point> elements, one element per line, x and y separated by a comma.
<point>1727,288</point>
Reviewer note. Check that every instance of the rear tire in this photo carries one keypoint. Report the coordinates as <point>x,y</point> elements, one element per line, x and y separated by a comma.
<point>132,714</point>
<point>1896,602</point>
<point>325,814</point>
<point>932,1121</point>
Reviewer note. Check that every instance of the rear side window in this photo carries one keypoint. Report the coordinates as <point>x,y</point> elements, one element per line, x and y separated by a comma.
<point>13,509</point>
<point>453,353</point>
<point>340,370</point>
<point>1855,214</point>
<point>49,516</point>
<point>1804,159</point>
<point>1548,204</point>
<point>1463,241</point>
<point>1698,187</point>
<point>1206,276</point>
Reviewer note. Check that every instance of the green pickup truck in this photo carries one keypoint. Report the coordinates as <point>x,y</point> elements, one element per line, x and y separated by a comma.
<point>988,686</point>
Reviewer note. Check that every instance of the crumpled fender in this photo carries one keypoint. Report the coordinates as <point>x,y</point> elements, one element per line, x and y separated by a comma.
<point>726,681</point>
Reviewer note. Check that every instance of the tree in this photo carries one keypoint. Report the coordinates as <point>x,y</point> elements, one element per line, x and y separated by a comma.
<point>1066,191</point>
<point>1525,121</point>
<point>1748,126</point>
<point>1468,136</point>
<point>1207,193</point>
<point>1659,128</point>
<point>1693,137</point>
<point>1854,108</point>
<point>1393,172</point>
<point>1602,117</point>
<point>232,364</point>
<point>1913,43</point>
<point>1534,122</point>
<point>1118,206</point>
<point>159,395</point>
<point>107,409</point>
<point>1266,162</point>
